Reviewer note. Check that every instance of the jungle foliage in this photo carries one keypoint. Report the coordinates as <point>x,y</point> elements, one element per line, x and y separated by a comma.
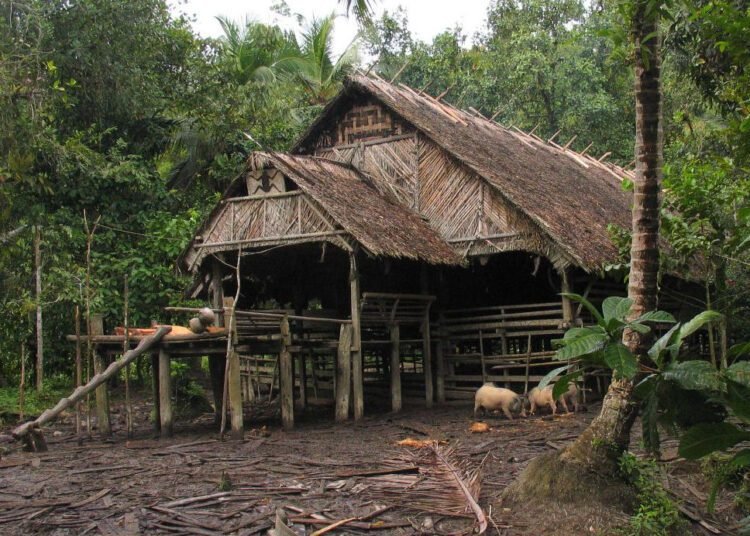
<point>121,110</point>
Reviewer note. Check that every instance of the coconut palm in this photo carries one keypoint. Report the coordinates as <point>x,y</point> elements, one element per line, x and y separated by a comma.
<point>316,69</point>
<point>362,9</point>
<point>257,52</point>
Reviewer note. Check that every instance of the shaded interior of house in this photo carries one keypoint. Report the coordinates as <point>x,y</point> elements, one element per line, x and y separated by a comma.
<point>404,250</point>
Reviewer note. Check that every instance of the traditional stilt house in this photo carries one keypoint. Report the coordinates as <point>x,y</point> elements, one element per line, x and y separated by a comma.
<point>405,246</point>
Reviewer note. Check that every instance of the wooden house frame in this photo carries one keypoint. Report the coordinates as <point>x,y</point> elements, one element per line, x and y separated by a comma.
<point>424,199</point>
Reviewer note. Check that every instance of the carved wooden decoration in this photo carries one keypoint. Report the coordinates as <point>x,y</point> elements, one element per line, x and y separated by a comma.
<point>265,181</point>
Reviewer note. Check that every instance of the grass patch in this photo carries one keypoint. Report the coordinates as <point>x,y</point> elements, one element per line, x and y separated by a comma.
<point>54,389</point>
<point>655,513</point>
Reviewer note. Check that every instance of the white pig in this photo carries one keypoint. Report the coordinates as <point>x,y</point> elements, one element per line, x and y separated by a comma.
<point>491,398</point>
<point>543,397</point>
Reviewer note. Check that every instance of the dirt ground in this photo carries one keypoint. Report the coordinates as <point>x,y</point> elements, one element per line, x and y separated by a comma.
<point>148,486</point>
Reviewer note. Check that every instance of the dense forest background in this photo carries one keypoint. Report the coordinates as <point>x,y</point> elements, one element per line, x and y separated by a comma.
<point>117,113</point>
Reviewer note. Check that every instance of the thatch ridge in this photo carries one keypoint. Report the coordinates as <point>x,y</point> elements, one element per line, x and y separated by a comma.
<point>571,196</point>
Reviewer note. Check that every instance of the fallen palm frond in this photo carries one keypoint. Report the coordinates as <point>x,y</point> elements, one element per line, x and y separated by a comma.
<point>446,484</point>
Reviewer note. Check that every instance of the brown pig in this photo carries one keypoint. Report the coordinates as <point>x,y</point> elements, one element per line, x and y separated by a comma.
<point>543,397</point>
<point>491,398</point>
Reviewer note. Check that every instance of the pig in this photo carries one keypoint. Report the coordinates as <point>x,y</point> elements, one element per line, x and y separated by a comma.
<point>543,397</point>
<point>491,398</point>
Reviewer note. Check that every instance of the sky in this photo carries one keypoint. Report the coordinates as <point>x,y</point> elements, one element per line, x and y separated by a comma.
<point>427,18</point>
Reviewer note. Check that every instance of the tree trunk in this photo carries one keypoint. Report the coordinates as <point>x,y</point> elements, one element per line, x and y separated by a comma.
<point>587,467</point>
<point>608,435</point>
<point>38,298</point>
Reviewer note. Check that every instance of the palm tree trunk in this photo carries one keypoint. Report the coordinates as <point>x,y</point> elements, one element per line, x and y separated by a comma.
<point>608,436</point>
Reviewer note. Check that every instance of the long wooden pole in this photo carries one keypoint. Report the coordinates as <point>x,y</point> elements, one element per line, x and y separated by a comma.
<point>38,297</point>
<point>79,368</point>
<point>99,379</point>
<point>125,348</point>
<point>21,383</point>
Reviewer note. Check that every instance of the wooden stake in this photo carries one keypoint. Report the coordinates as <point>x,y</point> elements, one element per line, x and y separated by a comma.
<point>38,297</point>
<point>358,397</point>
<point>398,73</point>
<point>343,372</point>
<point>21,383</point>
<point>125,348</point>
<point>89,346</point>
<point>286,377</point>
<point>79,369</point>
<point>395,367</point>
<point>165,394</point>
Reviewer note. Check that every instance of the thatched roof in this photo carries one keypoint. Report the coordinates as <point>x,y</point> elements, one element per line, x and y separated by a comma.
<point>344,196</point>
<point>381,225</point>
<point>572,197</point>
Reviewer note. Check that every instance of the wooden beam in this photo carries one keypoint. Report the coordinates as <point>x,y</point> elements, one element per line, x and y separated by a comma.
<point>286,378</point>
<point>165,392</point>
<point>263,240</point>
<point>81,391</point>
<point>343,372</point>
<point>395,332</point>
<point>292,193</point>
<point>358,395</point>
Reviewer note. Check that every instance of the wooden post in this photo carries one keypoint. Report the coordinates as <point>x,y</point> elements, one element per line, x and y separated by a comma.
<point>481,358</point>
<point>165,394</point>
<point>302,375</point>
<point>440,366</point>
<point>216,363</point>
<point>102,394</point>
<point>21,384</point>
<point>395,367</point>
<point>567,305</point>
<point>286,377</point>
<point>125,348</point>
<point>427,360</point>
<point>235,396</point>
<point>343,372</point>
<point>155,388</point>
<point>38,298</point>
<point>79,368</point>
<point>358,394</point>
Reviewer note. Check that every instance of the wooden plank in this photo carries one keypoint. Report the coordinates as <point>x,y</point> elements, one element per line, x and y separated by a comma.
<point>165,392</point>
<point>358,395</point>
<point>343,373</point>
<point>395,367</point>
<point>286,378</point>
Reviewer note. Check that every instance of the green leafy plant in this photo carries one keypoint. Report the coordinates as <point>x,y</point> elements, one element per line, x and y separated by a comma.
<point>669,387</point>
<point>601,345</point>
<point>656,514</point>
